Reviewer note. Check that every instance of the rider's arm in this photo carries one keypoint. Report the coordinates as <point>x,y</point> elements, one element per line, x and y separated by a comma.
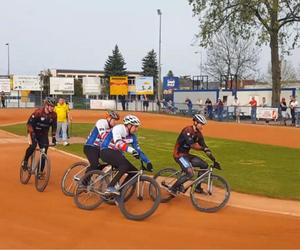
<point>31,123</point>
<point>136,146</point>
<point>102,127</point>
<point>205,148</point>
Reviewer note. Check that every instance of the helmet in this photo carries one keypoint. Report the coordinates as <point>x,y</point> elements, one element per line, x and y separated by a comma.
<point>131,119</point>
<point>112,114</point>
<point>50,101</point>
<point>199,118</point>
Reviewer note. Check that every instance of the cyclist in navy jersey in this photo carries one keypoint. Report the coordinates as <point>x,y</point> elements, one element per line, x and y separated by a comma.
<point>122,139</point>
<point>93,143</point>
<point>38,126</point>
<point>191,137</point>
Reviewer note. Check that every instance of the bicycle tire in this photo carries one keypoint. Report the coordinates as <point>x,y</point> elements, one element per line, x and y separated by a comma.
<point>25,175</point>
<point>124,206</point>
<point>207,201</point>
<point>41,183</point>
<point>68,183</point>
<point>90,192</point>
<point>165,178</point>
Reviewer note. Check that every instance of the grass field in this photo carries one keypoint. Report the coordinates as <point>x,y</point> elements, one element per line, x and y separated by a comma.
<point>248,167</point>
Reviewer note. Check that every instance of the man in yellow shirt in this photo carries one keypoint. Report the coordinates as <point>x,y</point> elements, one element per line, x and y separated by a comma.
<point>62,111</point>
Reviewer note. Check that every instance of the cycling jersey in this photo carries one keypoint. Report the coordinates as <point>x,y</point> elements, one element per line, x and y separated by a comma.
<point>120,139</point>
<point>188,138</point>
<point>98,133</point>
<point>39,122</point>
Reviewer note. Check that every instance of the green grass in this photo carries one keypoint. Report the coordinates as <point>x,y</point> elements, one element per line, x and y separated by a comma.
<point>248,167</point>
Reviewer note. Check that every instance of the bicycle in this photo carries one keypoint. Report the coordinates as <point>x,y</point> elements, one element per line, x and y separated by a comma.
<point>35,168</point>
<point>208,192</point>
<point>72,176</point>
<point>139,197</point>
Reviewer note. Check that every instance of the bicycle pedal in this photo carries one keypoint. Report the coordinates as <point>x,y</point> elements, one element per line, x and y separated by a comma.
<point>76,178</point>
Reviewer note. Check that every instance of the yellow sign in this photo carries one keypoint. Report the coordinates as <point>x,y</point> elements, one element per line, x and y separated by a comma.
<point>118,85</point>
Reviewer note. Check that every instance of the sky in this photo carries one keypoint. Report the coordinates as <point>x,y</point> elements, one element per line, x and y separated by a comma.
<point>81,34</point>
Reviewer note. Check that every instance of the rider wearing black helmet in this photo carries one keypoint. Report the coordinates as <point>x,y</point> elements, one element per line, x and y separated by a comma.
<point>190,137</point>
<point>38,126</point>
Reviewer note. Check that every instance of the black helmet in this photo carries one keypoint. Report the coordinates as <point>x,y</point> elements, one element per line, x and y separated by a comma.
<point>50,101</point>
<point>112,114</point>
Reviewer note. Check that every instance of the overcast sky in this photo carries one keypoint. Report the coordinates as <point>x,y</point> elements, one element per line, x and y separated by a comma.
<point>80,34</point>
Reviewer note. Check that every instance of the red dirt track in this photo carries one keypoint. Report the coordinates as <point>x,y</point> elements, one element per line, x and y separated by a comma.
<point>30,219</point>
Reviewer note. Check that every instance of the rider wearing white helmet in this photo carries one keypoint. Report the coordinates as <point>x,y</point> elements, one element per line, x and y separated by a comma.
<point>122,139</point>
<point>191,137</point>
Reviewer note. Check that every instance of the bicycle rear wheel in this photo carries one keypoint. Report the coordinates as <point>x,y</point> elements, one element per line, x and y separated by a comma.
<point>143,202</point>
<point>42,177</point>
<point>26,174</point>
<point>89,192</point>
<point>212,194</point>
<point>72,176</point>
<point>166,178</point>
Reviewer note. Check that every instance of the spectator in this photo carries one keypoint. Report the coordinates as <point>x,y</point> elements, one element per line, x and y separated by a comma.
<point>209,108</point>
<point>219,109</point>
<point>3,99</point>
<point>158,104</point>
<point>201,108</point>
<point>62,111</point>
<point>293,105</point>
<point>237,109</point>
<point>283,109</point>
<point>253,104</point>
<point>145,103</point>
<point>189,105</point>
<point>264,102</point>
<point>123,102</point>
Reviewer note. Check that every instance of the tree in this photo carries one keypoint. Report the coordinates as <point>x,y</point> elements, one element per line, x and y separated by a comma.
<point>45,80</point>
<point>115,64</point>
<point>150,68</point>
<point>229,55</point>
<point>170,73</point>
<point>78,90</point>
<point>274,19</point>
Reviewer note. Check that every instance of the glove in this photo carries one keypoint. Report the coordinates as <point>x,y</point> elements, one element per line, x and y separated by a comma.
<point>217,165</point>
<point>54,140</point>
<point>149,167</point>
<point>135,154</point>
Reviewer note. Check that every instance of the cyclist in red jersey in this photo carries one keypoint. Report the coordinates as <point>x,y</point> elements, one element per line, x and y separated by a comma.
<point>191,137</point>
<point>38,126</point>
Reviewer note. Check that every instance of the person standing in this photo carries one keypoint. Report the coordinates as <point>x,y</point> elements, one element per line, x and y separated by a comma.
<point>293,105</point>
<point>209,108</point>
<point>219,108</point>
<point>253,104</point>
<point>237,109</point>
<point>3,99</point>
<point>283,109</point>
<point>189,105</point>
<point>62,111</point>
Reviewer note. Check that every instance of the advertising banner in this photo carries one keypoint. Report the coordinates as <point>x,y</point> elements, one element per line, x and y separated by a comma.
<point>118,85</point>
<point>169,85</point>
<point>103,104</point>
<point>267,113</point>
<point>91,86</point>
<point>22,82</point>
<point>61,86</point>
<point>144,85</point>
<point>5,85</point>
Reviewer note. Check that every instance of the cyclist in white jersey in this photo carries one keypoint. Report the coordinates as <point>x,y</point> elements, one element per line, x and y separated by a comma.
<point>122,139</point>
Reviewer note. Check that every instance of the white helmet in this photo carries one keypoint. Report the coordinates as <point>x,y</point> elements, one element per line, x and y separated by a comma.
<point>199,118</point>
<point>131,119</point>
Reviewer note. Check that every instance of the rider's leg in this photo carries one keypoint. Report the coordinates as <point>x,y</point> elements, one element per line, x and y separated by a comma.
<point>43,142</point>
<point>198,163</point>
<point>29,152</point>
<point>187,168</point>
<point>93,154</point>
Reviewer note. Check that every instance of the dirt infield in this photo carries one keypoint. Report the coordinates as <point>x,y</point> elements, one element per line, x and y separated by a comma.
<point>50,220</point>
<point>273,135</point>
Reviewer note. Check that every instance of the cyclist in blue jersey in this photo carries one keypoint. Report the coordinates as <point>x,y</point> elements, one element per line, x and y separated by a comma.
<point>93,143</point>
<point>122,139</point>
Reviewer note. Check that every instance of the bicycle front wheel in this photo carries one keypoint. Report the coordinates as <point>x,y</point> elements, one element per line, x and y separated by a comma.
<point>210,194</point>
<point>42,174</point>
<point>89,192</point>
<point>143,202</point>
<point>26,174</point>
<point>166,178</point>
<point>72,176</point>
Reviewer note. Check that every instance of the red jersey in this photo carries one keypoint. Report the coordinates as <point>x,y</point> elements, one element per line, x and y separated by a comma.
<point>253,103</point>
